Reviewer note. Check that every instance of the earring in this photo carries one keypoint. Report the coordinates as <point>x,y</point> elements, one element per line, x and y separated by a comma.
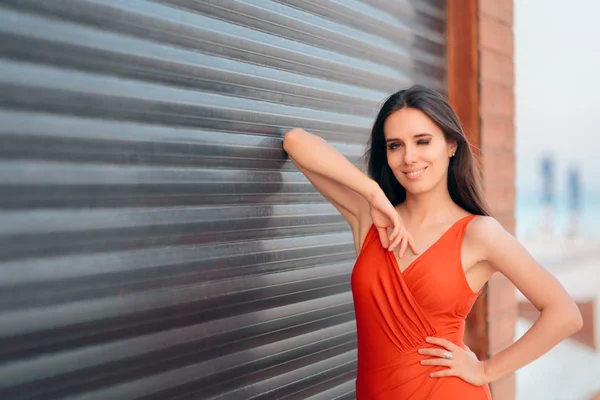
<point>453,154</point>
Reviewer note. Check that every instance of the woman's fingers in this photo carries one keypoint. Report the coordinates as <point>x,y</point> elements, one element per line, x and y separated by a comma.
<point>383,236</point>
<point>392,238</point>
<point>403,246</point>
<point>437,361</point>
<point>396,241</point>
<point>397,227</point>
<point>433,352</point>
<point>443,342</point>
<point>445,372</point>
<point>412,245</point>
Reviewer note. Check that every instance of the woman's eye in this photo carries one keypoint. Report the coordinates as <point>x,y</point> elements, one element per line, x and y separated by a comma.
<point>393,146</point>
<point>423,141</point>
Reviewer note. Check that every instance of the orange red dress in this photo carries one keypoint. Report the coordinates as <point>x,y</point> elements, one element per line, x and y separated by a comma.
<point>396,311</point>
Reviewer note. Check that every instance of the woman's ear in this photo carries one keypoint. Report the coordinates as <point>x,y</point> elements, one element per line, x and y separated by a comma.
<point>452,147</point>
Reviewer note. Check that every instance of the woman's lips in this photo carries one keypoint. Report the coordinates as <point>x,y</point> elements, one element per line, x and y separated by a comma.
<point>412,175</point>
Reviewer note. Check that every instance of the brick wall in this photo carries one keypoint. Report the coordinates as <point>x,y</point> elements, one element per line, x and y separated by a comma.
<point>497,105</point>
<point>480,46</point>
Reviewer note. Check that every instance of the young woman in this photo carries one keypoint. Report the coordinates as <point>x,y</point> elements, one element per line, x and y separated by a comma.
<point>426,247</point>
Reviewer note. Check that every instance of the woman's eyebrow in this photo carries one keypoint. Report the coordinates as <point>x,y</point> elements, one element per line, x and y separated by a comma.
<point>418,135</point>
<point>424,134</point>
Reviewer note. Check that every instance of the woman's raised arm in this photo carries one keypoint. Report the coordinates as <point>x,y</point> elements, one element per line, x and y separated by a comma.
<point>358,198</point>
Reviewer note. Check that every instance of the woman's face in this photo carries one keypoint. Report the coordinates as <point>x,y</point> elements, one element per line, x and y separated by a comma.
<point>417,151</point>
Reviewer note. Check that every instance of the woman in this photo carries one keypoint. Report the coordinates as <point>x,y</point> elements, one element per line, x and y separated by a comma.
<point>424,193</point>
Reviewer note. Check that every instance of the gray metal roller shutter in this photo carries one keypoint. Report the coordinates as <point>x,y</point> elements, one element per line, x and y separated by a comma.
<point>154,241</point>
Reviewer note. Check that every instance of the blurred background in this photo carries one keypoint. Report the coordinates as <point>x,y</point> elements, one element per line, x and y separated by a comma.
<point>557,91</point>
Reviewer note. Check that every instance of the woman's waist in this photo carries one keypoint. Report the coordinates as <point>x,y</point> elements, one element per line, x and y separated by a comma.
<point>373,359</point>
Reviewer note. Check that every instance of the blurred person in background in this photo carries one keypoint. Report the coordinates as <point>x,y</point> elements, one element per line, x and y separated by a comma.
<point>574,191</point>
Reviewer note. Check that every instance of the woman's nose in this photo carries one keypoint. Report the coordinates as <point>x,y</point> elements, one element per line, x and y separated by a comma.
<point>409,155</point>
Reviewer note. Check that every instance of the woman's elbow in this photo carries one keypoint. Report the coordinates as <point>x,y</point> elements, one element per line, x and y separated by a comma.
<point>576,320</point>
<point>566,316</point>
<point>572,320</point>
<point>290,137</point>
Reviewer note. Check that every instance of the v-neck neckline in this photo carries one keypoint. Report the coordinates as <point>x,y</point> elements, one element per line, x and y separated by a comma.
<point>422,254</point>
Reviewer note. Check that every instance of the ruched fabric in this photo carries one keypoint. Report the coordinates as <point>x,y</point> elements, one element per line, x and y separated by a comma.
<point>396,311</point>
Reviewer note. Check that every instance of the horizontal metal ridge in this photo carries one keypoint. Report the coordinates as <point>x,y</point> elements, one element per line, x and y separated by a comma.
<point>106,185</point>
<point>208,35</point>
<point>288,22</point>
<point>94,352</point>
<point>145,269</point>
<point>37,39</point>
<point>220,218</point>
<point>52,232</point>
<point>343,391</point>
<point>294,378</point>
<point>36,287</point>
<point>364,16</point>
<point>84,366</point>
<point>183,382</point>
<point>23,173</point>
<point>35,87</point>
<point>259,325</point>
<point>39,136</point>
<point>425,15</point>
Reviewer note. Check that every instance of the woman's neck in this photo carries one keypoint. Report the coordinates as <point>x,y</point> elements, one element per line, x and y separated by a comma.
<point>436,205</point>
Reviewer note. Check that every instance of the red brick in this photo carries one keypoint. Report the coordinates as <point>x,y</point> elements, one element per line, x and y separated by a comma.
<point>502,330</point>
<point>501,199</point>
<point>507,221</point>
<point>496,36</point>
<point>501,296</point>
<point>497,67</point>
<point>498,133</point>
<point>476,330</point>
<point>498,168</point>
<point>501,10</point>
<point>497,142</point>
<point>497,100</point>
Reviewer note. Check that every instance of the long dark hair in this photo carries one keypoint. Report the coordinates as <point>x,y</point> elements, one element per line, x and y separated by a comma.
<point>464,174</point>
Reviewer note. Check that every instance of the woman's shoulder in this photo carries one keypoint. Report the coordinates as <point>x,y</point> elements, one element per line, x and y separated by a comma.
<point>484,230</point>
<point>484,223</point>
<point>482,236</point>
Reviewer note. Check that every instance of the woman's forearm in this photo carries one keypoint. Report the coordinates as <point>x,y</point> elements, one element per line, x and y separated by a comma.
<point>314,154</point>
<point>552,327</point>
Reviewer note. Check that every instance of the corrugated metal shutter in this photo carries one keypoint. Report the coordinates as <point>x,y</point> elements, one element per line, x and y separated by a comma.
<point>154,241</point>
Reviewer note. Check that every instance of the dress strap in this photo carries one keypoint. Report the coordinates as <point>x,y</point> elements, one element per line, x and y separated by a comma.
<point>464,224</point>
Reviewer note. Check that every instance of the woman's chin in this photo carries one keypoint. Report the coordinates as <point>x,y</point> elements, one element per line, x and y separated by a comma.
<point>415,188</point>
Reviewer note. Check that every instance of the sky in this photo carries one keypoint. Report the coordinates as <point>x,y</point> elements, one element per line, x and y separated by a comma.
<point>557,89</point>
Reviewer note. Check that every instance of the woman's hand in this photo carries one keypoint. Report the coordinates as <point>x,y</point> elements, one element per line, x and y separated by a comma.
<point>461,363</point>
<point>385,216</point>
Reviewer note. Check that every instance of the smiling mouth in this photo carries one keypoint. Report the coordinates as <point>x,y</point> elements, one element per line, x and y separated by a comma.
<point>415,174</point>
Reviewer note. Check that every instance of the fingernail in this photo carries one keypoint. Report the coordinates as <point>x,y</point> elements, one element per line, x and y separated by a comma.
<point>428,339</point>
<point>420,351</point>
<point>422,361</point>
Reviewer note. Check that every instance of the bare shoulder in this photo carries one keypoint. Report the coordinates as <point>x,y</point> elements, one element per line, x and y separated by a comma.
<point>485,236</point>
<point>484,229</point>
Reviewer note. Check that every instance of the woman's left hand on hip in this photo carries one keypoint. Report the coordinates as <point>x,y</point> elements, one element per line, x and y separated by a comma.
<point>461,363</point>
